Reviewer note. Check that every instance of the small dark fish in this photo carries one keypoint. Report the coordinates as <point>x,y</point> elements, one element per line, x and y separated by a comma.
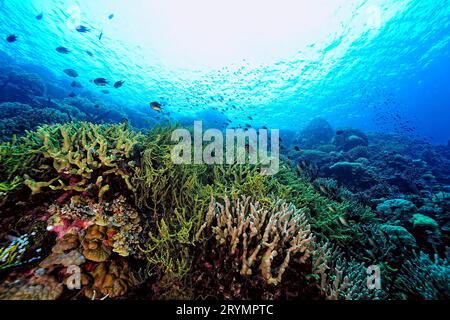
<point>250,118</point>
<point>100,37</point>
<point>12,38</point>
<point>71,73</point>
<point>296,148</point>
<point>82,29</point>
<point>39,16</point>
<point>97,106</point>
<point>118,84</point>
<point>111,16</point>
<point>76,84</point>
<point>72,95</point>
<point>105,91</point>
<point>63,50</point>
<point>101,82</point>
<point>90,54</point>
<point>155,106</point>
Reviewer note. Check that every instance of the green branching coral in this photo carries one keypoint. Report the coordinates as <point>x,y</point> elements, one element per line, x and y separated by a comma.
<point>10,186</point>
<point>89,155</point>
<point>172,197</point>
<point>336,220</point>
<point>160,184</point>
<point>248,251</point>
<point>15,160</point>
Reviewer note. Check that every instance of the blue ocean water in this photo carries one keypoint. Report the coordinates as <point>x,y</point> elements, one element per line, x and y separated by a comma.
<point>282,63</point>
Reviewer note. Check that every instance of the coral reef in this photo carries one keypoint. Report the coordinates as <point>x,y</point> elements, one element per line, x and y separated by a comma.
<point>18,118</point>
<point>347,139</point>
<point>117,210</point>
<point>36,287</point>
<point>106,226</point>
<point>248,248</point>
<point>88,157</point>
<point>20,86</point>
<point>421,278</point>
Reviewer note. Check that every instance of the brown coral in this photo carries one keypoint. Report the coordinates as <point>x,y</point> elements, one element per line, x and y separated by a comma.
<point>66,243</point>
<point>94,243</point>
<point>111,280</point>
<point>64,252</point>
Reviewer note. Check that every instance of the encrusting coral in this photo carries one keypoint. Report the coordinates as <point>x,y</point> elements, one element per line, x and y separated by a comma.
<point>107,226</point>
<point>422,278</point>
<point>248,247</point>
<point>36,287</point>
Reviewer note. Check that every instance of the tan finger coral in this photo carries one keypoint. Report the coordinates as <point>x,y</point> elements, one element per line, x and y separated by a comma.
<point>268,239</point>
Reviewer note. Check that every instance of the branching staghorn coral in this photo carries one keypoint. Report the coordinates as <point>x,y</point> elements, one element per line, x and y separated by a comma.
<point>168,250</point>
<point>258,237</point>
<point>78,156</point>
<point>173,198</point>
